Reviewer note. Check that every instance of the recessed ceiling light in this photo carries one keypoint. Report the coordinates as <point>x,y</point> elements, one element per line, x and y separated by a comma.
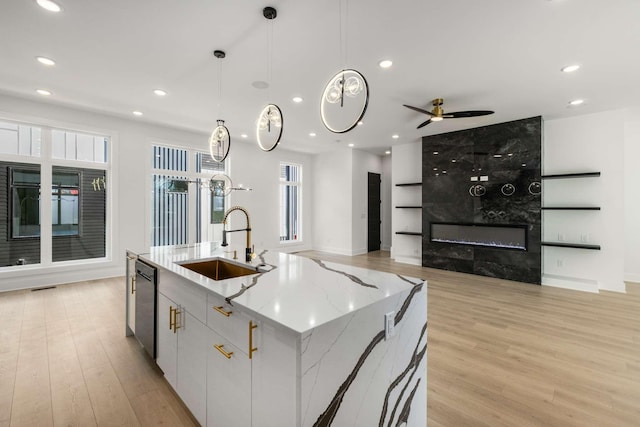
<point>43,92</point>
<point>244,135</point>
<point>297,99</point>
<point>570,68</point>
<point>45,61</point>
<point>160,92</point>
<point>137,113</point>
<point>49,5</point>
<point>359,123</point>
<point>435,169</point>
<point>385,63</point>
<point>351,145</point>
<point>576,102</point>
<point>444,171</point>
<point>497,156</point>
<point>396,136</point>
<point>312,134</point>
<point>524,164</point>
<point>387,152</point>
<point>510,154</point>
<point>435,153</point>
<point>453,160</point>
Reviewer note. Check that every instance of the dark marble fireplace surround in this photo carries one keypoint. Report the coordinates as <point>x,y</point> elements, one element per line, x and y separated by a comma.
<point>505,159</point>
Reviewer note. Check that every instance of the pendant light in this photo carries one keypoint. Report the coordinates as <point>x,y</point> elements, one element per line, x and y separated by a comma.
<point>220,139</point>
<point>270,122</point>
<point>346,96</point>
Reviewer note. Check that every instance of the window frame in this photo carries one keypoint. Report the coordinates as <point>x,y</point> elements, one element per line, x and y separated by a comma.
<point>298,185</point>
<point>11,209</point>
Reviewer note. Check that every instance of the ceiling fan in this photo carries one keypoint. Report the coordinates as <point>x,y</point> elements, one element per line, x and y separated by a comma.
<point>438,113</point>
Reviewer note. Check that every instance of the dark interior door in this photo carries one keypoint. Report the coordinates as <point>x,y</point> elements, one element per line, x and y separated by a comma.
<point>373,212</point>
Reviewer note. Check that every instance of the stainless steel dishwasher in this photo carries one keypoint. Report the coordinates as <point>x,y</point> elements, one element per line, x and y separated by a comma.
<point>146,306</point>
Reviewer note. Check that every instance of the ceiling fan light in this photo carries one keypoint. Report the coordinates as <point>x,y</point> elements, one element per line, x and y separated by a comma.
<point>436,119</point>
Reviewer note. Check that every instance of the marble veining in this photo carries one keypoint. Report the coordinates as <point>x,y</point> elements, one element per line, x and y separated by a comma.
<point>327,417</point>
<point>347,275</point>
<point>295,292</point>
<point>254,279</point>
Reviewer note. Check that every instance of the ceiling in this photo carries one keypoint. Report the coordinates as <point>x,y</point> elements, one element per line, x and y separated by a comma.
<point>501,55</point>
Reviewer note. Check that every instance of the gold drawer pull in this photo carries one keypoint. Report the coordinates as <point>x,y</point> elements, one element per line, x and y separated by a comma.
<point>133,284</point>
<point>221,311</point>
<point>173,317</point>
<point>252,326</point>
<point>220,348</point>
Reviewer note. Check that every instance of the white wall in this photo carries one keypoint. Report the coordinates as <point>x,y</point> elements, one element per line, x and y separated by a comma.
<point>593,142</point>
<point>406,163</point>
<point>363,163</point>
<point>260,171</point>
<point>387,209</point>
<point>131,156</point>
<point>632,196</point>
<point>332,195</point>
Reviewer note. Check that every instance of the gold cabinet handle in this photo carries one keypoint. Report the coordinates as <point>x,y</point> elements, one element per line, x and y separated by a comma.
<point>221,311</point>
<point>172,318</point>
<point>176,313</point>
<point>220,348</point>
<point>133,284</point>
<point>252,326</point>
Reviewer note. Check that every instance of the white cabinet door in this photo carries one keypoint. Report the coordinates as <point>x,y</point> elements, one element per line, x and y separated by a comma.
<point>167,340</point>
<point>192,364</point>
<point>228,384</point>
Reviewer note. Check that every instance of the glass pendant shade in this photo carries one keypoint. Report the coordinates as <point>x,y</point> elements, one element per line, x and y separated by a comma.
<point>220,185</point>
<point>219,142</point>
<point>344,101</point>
<point>269,127</point>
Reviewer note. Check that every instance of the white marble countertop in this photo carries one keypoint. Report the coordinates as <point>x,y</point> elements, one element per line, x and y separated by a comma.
<point>296,292</point>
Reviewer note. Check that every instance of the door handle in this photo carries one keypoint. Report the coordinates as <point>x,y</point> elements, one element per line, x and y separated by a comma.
<point>133,284</point>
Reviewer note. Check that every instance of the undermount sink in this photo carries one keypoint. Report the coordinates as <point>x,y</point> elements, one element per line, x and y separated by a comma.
<point>218,269</point>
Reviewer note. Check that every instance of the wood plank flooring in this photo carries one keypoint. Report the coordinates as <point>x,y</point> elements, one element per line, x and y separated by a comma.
<point>500,354</point>
<point>64,361</point>
<point>504,353</point>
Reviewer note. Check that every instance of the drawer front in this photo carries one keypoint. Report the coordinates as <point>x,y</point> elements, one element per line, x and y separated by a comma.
<point>190,297</point>
<point>229,322</point>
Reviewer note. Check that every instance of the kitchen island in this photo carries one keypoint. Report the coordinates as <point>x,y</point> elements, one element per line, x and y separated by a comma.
<point>291,342</point>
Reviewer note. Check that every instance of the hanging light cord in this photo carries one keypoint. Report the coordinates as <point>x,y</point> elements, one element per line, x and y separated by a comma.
<point>219,85</point>
<point>344,32</point>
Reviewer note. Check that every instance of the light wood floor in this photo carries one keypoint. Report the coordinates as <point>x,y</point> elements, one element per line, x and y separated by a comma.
<point>500,354</point>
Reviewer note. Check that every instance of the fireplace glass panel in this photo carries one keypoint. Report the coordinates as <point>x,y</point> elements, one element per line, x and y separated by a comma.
<point>509,237</point>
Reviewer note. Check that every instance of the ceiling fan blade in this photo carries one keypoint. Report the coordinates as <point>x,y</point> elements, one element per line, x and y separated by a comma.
<point>419,110</point>
<point>423,124</point>
<point>472,113</point>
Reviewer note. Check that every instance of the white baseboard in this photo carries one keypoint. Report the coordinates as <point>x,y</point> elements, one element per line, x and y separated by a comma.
<point>408,260</point>
<point>385,248</point>
<point>573,283</point>
<point>38,278</point>
<point>631,277</point>
<point>338,251</point>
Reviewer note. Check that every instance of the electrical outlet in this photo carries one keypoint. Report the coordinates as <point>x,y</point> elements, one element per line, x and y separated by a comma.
<point>389,325</point>
<point>560,237</point>
<point>560,263</point>
<point>584,238</point>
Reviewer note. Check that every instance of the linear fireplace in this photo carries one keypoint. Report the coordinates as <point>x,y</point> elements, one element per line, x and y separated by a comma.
<point>487,235</point>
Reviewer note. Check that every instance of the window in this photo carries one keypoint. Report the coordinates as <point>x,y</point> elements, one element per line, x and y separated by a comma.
<point>182,177</point>
<point>65,196</point>
<point>290,206</point>
<point>25,206</point>
<point>75,199</point>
